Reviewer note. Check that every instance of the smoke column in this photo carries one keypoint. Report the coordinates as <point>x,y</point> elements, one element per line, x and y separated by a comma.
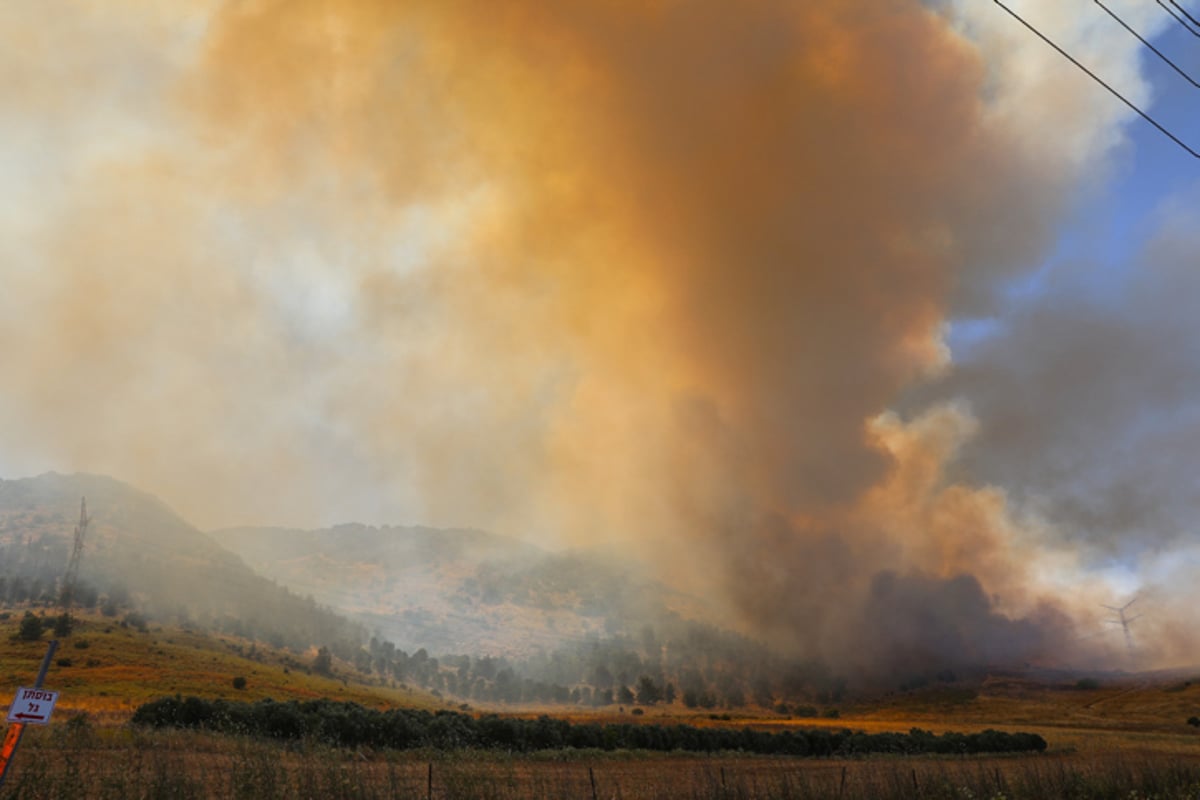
<point>644,276</point>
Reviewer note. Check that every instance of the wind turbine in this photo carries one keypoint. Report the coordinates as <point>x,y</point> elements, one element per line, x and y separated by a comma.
<point>1123,620</point>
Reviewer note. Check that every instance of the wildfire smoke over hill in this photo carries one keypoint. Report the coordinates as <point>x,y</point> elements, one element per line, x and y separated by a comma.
<point>658,276</point>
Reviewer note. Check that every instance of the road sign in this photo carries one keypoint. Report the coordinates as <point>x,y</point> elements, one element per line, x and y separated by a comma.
<point>32,706</point>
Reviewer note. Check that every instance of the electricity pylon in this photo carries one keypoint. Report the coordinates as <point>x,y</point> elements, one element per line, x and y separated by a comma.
<point>1124,621</point>
<point>67,595</point>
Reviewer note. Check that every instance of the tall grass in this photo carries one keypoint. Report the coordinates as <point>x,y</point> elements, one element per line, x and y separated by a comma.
<point>64,762</point>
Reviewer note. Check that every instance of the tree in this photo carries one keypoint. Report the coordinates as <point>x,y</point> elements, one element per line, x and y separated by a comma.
<point>31,628</point>
<point>601,677</point>
<point>63,625</point>
<point>648,692</point>
<point>624,695</point>
<point>323,663</point>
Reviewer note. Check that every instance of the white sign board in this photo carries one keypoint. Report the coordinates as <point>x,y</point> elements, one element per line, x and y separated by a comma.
<point>32,706</point>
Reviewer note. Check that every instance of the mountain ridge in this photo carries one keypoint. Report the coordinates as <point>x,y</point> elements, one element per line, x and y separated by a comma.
<point>457,590</point>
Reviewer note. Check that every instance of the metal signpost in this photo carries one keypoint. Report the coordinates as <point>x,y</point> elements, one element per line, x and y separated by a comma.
<point>34,706</point>
<point>29,707</point>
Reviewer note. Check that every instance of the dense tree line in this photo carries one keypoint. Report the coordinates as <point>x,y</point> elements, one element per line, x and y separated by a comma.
<point>352,725</point>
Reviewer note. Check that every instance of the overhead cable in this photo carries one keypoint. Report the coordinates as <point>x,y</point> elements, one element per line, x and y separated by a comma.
<point>1180,19</point>
<point>1183,11</point>
<point>1153,49</point>
<point>1100,81</point>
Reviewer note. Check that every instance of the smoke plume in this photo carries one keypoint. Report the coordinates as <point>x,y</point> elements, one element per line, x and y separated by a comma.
<point>644,276</point>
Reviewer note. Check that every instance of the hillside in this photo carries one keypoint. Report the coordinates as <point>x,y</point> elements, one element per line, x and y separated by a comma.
<point>139,554</point>
<point>460,591</point>
<point>107,669</point>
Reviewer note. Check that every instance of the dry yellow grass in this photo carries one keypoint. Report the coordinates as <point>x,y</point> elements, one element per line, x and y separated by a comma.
<point>108,670</point>
<point>121,667</point>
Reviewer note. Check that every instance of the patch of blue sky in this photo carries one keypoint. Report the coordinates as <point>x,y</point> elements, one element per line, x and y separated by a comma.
<point>1099,244</point>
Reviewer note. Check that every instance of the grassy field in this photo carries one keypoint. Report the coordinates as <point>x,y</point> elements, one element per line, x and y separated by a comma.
<point>1120,737</point>
<point>107,669</point>
<point>125,763</point>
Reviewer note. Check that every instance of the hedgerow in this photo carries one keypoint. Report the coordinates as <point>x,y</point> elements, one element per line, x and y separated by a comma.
<point>352,725</point>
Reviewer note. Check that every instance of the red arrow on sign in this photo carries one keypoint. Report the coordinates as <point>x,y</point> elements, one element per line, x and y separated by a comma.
<point>28,716</point>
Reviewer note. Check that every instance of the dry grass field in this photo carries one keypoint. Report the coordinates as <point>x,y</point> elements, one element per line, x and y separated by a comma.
<point>1123,737</point>
<point>107,669</point>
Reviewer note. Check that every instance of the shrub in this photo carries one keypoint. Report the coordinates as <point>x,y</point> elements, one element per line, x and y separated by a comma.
<point>31,628</point>
<point>239,682</point>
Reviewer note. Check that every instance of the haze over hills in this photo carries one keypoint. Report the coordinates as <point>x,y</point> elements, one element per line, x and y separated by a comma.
<point>512,623</point>
<point>138,550</point>
<point>447,591</point>
<point>464,613</point>
<point>461,591</point>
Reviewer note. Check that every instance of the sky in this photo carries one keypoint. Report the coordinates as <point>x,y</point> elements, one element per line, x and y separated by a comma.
<point>825,308</point>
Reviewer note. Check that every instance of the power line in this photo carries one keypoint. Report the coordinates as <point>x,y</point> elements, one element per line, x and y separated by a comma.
<point>1183,11</point>
<point>1153,49</point>
<point>1098,80</point>
<point>1180,19</point>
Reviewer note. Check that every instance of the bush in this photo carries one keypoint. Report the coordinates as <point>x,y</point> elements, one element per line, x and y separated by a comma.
<point>31,628</point>
<point>1194,722</point>
<point>239,682</point>
<point>323,663</point>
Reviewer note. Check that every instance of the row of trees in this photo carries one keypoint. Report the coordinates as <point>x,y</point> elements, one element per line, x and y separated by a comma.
<point>351,725</point>
<point>687,662</point>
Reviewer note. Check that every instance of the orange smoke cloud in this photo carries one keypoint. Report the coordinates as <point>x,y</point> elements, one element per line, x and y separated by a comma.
<point>611,272</point>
